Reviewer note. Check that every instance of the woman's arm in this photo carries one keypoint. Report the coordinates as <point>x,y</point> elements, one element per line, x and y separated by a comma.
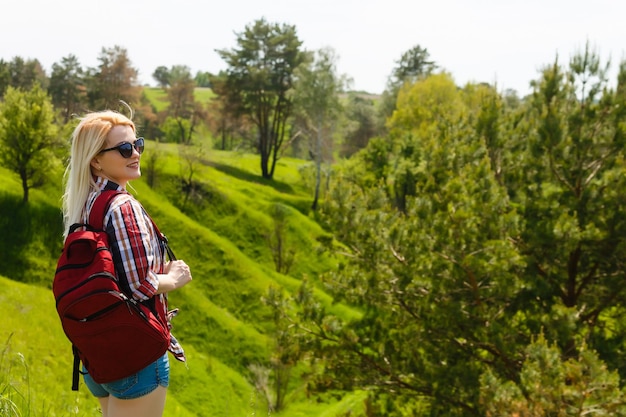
<point>177,275</point>
<point>135,247</point>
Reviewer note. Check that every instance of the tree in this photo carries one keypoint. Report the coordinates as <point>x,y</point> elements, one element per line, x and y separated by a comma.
<point>151,165</point>
<point>203,79</point>
<point>427,274</point>
<point>180,98</point>
<point>190,158</point>
<point>412,66</point>
<point>113,80</point>
<point>286,349</point>
<point>67,87</point>
<point>570,192</point>
<point>225,118</point>
<point>162,76</point>
<point>259,75</point>
<point>426,109</point>
<point>283,253</point>
<point>21,73</point>
<point>511,225</point>
<point>28,135</point>
<point>5,76</point>
<point>551,386</point>
<point>316,98</point>
<point>360,116</point>
<point>183,108</point>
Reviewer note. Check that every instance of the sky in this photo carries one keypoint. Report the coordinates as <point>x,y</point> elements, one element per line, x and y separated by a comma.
<point>501,42</point>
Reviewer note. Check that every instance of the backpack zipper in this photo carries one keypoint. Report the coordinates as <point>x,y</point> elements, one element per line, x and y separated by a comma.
<point>92,277</point>
<point>86,264</point>
<point>132,305</point>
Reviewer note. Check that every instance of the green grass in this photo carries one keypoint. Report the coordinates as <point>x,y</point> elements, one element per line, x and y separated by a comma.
<point>35,345</point>
<point>31,233</point>
<point>158,97</point>
<point>223,325</point>
<point>203,95</point>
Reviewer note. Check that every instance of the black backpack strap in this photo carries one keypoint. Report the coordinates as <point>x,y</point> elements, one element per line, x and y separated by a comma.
<point>76,369</point>
<point>163,239</point>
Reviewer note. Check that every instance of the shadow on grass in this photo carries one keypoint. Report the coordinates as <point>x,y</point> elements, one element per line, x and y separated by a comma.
<point>30,232</point>
<point>247,176</point>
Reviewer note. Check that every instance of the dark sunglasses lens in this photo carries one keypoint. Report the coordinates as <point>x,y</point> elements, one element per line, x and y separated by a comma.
<point>126,150</point>
<point>139,144</point>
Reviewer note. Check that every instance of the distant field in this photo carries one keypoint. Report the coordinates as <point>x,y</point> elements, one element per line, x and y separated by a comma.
<point>158,96</point>
<point>203,94</point>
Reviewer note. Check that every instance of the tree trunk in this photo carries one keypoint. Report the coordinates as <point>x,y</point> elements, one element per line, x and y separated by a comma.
<point>264,150</point>
<point>318,166</point>
<point>24,186</point>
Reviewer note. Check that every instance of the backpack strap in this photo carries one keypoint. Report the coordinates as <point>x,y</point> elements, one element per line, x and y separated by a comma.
<point>96,220</point>
<point>75,369</point>
<point>99,208</point>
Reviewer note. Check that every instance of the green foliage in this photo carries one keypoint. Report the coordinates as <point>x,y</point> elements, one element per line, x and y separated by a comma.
<point>413,65</point>
<point>260,74</point>
<point>174,129</point>
<point>316,99</point>
<point>203,79</point>
<point>10,394</point>
<point>115,79</point>
<point>28,136</point>
<point>21,74</point>
<point>67,87</point>
<point>360,124</point>
<point>551,386</point>
<point>470,230</point>
<point>162,76</point>
<point>571,189</point>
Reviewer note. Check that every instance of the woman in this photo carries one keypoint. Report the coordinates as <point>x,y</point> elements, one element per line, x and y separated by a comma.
<point>106,155</point>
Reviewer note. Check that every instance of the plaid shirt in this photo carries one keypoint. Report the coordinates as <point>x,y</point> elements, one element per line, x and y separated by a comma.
<point>137,250</point>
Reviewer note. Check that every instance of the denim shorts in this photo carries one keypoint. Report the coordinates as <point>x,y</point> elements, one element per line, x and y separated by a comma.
<point>136,385</point>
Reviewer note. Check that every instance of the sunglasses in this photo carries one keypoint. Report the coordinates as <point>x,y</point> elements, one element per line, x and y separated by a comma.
<point>126,149</point>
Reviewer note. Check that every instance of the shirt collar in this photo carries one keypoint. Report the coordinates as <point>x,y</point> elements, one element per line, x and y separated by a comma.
<point>104,184</point>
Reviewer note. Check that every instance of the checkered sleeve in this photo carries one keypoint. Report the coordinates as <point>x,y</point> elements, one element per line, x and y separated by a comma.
<point>135,247</point>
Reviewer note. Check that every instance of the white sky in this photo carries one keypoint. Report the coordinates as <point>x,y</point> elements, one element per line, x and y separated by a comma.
<point>496,41</point>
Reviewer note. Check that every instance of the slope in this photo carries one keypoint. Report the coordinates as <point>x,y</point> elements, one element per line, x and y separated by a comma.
<point>222,231</point>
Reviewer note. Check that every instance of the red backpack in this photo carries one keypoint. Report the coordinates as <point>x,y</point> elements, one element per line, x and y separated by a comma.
<point>111,333</point>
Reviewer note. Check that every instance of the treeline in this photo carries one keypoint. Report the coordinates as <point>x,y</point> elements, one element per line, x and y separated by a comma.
<point>274,99</point>
<point>482,236</point>
<point>73,90</point>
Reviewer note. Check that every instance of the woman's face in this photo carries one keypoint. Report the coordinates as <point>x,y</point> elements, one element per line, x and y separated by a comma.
<point>111,164</point>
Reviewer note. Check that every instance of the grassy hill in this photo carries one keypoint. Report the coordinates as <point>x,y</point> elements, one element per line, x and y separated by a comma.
<point>221,229</point>
<point>158,97</point>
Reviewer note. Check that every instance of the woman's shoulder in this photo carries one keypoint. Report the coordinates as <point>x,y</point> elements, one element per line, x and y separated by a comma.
<point>124,200</point>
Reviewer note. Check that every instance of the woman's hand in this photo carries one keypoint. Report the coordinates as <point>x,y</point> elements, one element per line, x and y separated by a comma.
<point>176,275</point>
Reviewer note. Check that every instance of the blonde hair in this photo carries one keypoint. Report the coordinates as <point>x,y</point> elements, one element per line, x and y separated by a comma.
<point>88,139</point>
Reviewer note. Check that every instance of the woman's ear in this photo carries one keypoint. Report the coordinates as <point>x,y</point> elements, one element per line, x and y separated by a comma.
<point>95,164</point>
